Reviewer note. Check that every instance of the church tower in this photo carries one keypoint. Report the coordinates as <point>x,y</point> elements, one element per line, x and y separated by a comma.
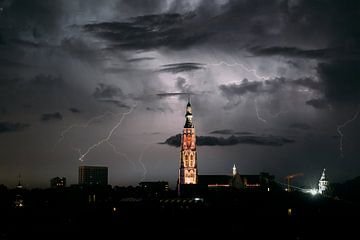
<point>188,173</point>
<point>323,183</point>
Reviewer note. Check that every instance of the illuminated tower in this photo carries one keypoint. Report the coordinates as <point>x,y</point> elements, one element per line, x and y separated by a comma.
<point>323,183</point>
<point>188,173</point>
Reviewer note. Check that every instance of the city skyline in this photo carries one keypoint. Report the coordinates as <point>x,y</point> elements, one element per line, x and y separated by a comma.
<point>274,86</point>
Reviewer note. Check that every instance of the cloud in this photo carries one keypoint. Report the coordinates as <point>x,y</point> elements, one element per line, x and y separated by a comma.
<point>292,52</point>
<point>159,109</point>
<point>51,116</point>
<point>74,110</point>
<point>341,80</point>
<point>148,32</point>
<point>232,140</point>
<point>237,90</point>
<point>172,94</point>
<point>229,131</point>
<point>28,44</point>
<point>300,126</point>
<point>12,127</point>
<point>222,131</point>
<point>242,88</point>
<point>318,103</point>
<point>117,103</point>
<point>80,49</point>
<point>181,67</point>
<point>105,91</point>
<point>140,59</point>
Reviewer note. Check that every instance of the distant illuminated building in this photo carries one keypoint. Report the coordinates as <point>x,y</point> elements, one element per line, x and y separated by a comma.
<point>323,183</point>
<point>188,173</point>
<point>58,182</point>
<point>93,176</point>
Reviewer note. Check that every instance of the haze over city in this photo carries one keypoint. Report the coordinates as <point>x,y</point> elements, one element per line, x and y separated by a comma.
<point>274,86</point>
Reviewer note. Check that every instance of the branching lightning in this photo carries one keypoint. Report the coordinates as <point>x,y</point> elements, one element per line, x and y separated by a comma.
<point>107,138</point>
<point>85,125</point>
<point>341,134</point>
<point>253,71</point>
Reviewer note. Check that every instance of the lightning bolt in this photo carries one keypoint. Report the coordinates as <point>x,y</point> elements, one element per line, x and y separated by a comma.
<point>85,125</point>
<point>341,134</point>
<point>107,138</point>
<point>121,153</point>
<point>253,71</point>
<point>258,113</point>
<point>140,160</point>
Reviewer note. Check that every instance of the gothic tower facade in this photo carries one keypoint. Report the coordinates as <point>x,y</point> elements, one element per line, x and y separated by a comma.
<point>188,173</point>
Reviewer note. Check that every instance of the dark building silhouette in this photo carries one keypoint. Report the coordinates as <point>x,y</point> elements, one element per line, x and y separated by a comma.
<point>93,175</point>
<point>154,189</point>
<point>58,182</point>
<point>263,181</point>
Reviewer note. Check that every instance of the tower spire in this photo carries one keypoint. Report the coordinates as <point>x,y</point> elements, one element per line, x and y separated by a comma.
<point>188,173</point>
<point>234,170</point>
<point>188,116</point>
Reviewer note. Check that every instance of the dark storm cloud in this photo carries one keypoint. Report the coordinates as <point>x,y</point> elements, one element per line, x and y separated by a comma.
<point>181,67</point>
<point>47,82</point>
<point>36,17</point>
<point>327,53</point>
<point>172,94</point>
<point>14,64</point>
<point>110,94</point>
<point>222,131</point>
<point>117,103</point>
<point>80,49</point>
<point>341,79</point>
<point>74,110</point>
<point>300,126</point>
<point>229,131</point>
<point>318,103</point>
<point>158,109</point>
<point>140,59</point>
<point>240,89</point>
<point>27,43</point>
<point>38,86</point>
<point>232,140</point>
<point>51,116</point>
<point>105,91</point>
<point>12,127</point>
<point>269,86</point>
<point>147,32</point>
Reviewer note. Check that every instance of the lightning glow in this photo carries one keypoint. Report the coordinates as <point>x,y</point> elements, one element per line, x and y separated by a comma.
<point>108,137</point>
<point>253,71</point>
<point>341,134</point>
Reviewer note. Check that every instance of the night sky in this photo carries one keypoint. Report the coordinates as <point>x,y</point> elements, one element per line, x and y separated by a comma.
<point>274,86</point>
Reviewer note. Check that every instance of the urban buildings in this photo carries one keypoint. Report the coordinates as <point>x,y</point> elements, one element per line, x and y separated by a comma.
<point>93,175</point>
<point>58,182</point>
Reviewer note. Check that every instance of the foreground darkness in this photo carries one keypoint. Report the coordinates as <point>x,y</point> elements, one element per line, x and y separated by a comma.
<point>120,211</point>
